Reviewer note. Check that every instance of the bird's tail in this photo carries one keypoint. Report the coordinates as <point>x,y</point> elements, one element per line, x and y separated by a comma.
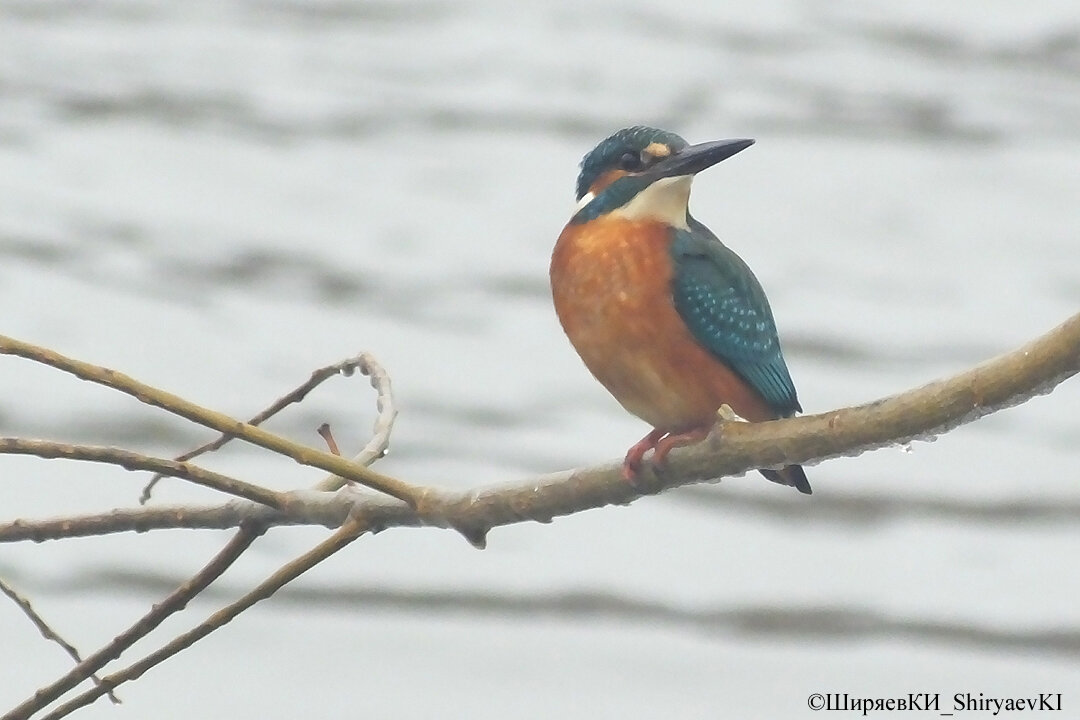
<point>792,475</point>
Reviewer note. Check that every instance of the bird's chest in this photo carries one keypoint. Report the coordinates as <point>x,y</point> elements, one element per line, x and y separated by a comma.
<point>612,286</point>
<point>612,289</point>
<point>611,283</point>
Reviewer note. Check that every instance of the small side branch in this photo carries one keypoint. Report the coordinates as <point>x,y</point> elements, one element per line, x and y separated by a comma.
<point>297,395</point>
<point>46,631</point>
<point>216,421</point>
<point>135,461</point>
<point>352,529</point>
<point>157,615</point>
<point>142,519</point>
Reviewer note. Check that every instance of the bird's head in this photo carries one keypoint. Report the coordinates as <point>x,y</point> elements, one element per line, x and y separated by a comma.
<point>645,173</point>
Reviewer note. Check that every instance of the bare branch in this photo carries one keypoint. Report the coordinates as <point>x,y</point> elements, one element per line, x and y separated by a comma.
<point>136,461</point>
<point>737,447</point>
<point>1035,368</point>
<point>250,530</point>
<point>352,529</point>
<point>345,367</point>
<point>218,517</point>
<point>46,631</point>
<point>844,507</point>
<point>217,421</point>
<point>173,603</point>
<point>733,448</point>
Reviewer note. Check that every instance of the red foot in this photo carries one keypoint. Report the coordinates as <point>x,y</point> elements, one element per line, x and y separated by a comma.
<point>662,443</point>
<point>671,442</point>
<point>634,455</point>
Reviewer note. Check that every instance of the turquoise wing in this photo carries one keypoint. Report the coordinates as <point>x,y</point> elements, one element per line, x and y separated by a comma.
<point>726,310</point>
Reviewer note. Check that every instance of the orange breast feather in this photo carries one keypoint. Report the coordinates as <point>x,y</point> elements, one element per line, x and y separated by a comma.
<point>611,282</point>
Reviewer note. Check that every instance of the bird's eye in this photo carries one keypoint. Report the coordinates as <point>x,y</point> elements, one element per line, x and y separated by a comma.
<point>631,162</point>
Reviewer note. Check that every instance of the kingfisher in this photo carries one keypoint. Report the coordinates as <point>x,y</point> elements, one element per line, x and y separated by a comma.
<point>669,319</point>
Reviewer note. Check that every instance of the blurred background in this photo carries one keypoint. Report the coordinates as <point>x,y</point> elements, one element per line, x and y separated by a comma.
<point>218,197</point>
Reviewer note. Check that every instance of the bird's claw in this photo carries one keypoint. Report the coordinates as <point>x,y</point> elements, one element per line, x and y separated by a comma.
<point>670,442</point>
<point>661,443</point>
<point>636,454</point>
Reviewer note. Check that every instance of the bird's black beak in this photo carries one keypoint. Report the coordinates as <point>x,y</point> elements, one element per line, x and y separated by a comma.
<point>696,158</point>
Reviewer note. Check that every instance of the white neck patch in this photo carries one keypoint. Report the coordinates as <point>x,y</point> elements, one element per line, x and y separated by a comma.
<point>585,200</point>
<point>665,201</point>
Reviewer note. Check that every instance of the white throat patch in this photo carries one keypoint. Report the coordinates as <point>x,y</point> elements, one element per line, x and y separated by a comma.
<point>585,200</point>
<point>664,200</point>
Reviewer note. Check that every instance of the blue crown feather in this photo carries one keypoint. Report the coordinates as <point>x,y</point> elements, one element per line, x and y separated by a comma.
<point>606,155</point>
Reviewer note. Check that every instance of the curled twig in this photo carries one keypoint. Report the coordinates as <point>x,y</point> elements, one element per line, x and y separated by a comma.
<point>217,421</point>
<point>251,528</point>
<point>379,443</point>
<point>345,367</point>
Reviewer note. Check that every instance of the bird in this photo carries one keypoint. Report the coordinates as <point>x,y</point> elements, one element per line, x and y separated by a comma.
<point>669,319</point>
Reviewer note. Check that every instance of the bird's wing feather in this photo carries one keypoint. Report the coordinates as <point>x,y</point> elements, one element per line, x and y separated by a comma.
<point>725,308</point>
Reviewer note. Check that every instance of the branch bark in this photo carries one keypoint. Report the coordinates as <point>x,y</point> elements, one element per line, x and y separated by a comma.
<point>250,529</point>
<point>364,362</point>
<point>349,531</point>
<point>208,418</point>
<point>47,632</point>
<point>136,461</point>
<point>176,601</point>
<point>735,448</point>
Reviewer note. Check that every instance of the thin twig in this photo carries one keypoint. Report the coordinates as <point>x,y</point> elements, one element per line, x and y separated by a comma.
<point>217,421</point>
<point>141,519</point>
<point>179,599</point>
<point>136,461</point>
<point>47,632</point>
<point>353,528</point>
<point>328,437</point>
<point>345,367</point>
<point>173,603</point>
<point>379,444</point>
